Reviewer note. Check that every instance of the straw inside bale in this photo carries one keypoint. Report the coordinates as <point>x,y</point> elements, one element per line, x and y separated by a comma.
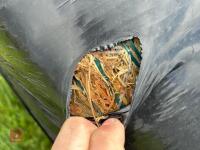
<point>104,81</point>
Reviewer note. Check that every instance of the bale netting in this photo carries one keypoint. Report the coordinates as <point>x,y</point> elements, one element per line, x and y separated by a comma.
<point>104,80</point>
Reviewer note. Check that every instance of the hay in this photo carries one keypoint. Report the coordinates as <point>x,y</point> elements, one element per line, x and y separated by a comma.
<point>104,81</point>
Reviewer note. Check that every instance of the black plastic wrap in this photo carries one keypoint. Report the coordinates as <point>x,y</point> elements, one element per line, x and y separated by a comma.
<point>54,34</point>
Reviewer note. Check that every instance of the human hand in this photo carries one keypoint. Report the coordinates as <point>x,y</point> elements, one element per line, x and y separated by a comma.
<point>80,134</point>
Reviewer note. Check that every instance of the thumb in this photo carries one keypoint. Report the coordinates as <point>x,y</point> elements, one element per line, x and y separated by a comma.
<point>110,136</point>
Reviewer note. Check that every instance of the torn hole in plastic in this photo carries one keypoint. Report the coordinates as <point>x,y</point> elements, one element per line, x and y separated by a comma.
<point>104,81</point>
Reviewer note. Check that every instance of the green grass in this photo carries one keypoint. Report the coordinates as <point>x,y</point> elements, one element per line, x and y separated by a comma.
<point>14,116</point>
<point>16,64</point>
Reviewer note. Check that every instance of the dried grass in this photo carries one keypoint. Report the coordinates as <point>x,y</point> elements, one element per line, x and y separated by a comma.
<point>104,81</point>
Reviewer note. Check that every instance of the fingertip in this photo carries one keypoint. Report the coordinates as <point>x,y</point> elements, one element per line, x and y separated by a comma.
<point>113,121</point>
<point>80,122</point>
<point>74,134</point>
<point>111,135</point>
<point>113,125</point>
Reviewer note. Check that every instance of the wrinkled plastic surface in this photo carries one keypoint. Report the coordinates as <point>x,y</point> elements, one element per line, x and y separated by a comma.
<point>56,33</point>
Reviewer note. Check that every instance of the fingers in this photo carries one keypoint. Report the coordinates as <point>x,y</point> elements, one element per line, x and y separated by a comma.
<point>74,134</point>
<point>80,134</point>
<point>110,136</point>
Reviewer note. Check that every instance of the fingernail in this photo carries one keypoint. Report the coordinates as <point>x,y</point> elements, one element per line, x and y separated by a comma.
<point>110,121</point>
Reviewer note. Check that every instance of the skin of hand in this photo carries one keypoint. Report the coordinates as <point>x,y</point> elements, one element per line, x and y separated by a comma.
<point>77,133</point>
